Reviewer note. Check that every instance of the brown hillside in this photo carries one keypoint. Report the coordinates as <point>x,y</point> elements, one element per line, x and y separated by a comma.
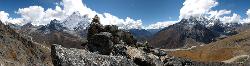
<point>218,51</point>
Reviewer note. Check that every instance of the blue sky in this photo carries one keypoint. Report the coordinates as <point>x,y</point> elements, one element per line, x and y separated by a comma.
<point>149,11</point>
<point>237,6</point>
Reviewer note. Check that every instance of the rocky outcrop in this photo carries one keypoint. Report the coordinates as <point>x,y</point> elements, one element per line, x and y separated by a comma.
<point>101,38</point>
<point>80,57</point>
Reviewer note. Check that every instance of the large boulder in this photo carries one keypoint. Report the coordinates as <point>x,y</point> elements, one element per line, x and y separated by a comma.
<point>79,57</point>
<point>101,43</point>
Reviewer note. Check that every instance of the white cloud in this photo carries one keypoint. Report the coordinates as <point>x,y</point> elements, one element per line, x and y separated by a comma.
<point>231,19</point>
<point>32,14</point>
<point>128,23</point>
<point>247,20</point>
<point>4,16</point>
<point>37,15</point>
<point>161,24</point>
<point>218,14</point>
<point>71,6</point>
<point>248,13</point>
<point>196,8</point>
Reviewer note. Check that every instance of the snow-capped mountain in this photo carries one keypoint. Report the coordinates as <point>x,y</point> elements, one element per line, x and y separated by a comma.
<point>54,25</point>
<point>194,30</point>
<point>76,21</point>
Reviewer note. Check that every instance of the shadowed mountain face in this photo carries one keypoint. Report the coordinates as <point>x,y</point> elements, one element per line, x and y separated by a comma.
<point>16,50</point>
<point>198,30</point>
<point>141,35</point>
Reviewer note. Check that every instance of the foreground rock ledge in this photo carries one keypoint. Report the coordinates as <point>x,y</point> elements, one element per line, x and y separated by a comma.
<point>80,57</point>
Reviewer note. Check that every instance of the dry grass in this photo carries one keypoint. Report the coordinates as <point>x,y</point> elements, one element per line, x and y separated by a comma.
<point>220,50</point>
<point>204,55</point>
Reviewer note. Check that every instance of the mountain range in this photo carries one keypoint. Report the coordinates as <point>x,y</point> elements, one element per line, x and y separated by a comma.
<point>193,31</point>
<point>199,39</point>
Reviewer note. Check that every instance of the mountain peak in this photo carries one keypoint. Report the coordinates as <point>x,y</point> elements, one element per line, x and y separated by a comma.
<point>199,29</point>
<point>54,25</point>
<point>76,20</point>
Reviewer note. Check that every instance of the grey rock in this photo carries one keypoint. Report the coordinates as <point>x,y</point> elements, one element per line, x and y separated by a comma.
<point>119,50</point>
<point>79,57</point>
<point>158,52</point>
<point>142,58</point>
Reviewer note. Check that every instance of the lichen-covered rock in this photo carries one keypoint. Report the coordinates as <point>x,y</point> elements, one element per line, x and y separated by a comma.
<point>80,57</point>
